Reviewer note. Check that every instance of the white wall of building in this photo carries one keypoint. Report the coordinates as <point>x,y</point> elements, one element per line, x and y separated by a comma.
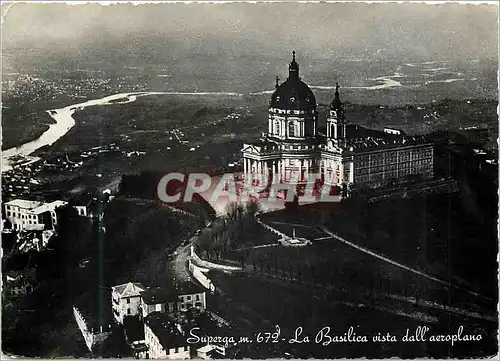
<point>127,306</point>
<point>156,350</point>
<point>30,215</point>
<point>126,300</point>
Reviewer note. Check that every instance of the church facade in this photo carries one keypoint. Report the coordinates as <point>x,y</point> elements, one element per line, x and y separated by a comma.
<point>343,155</point>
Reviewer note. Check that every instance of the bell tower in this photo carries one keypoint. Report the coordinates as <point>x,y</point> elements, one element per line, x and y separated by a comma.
<point>336,123</point>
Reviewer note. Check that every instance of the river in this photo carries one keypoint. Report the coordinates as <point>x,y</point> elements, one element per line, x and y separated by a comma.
<point>65,121</point>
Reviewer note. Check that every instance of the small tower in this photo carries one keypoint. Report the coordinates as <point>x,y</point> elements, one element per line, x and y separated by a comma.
<point>336,123</point>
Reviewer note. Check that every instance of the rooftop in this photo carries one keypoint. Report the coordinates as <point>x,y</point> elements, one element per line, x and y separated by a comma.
<point>189,288</point>
<point>129,289</point>
<point>165,329</point>
<point>293,93</point>
<point>206,348</point>
<point>363,139</point>
<point>22,203</point>
<point>46,207</point>
<point>158,295</point>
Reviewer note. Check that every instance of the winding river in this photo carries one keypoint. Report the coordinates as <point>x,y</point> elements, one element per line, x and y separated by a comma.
<point>65,121</point>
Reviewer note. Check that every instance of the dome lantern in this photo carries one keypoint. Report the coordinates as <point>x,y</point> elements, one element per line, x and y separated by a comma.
<point>293,69</point>
<point>293,93</point>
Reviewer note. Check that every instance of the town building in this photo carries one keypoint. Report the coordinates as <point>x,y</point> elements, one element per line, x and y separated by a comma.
<point>158,300</point>
<point>126,300</point>
<point>205,352</point>
<point>18,283</point>
<point>294,146</point>
<point>191,296</point>
<point>83,204</point>
<point>26,215</point>
<point>163,338</point>
<point>185,297</point>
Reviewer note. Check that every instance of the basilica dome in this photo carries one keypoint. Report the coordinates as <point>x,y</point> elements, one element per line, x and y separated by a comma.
<point>293,94</point>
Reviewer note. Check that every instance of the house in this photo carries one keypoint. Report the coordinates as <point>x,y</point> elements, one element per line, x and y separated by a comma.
<point>187,296</point>
<point>34,240</point>
<point>126,300</point>
<point>19,283</point>
<point>191,295</point>
<point>163,339</point>
<point>83,204</point>
<point>205,352</point>
<point>223,343</point>
<point>218,350</point>
<point>158,300</point>
<point>393,131</point>
<point>26,215</point>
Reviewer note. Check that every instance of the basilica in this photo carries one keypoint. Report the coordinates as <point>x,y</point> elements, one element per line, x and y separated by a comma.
<point>344,155</point>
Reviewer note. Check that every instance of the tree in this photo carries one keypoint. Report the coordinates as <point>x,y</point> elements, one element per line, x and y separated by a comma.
<point>252,208</point>
<point>234,211</point>
<point>204,244</point>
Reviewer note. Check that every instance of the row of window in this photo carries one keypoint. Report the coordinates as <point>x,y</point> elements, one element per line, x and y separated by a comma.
<point>393,167</point>
<point>298,147</point>
<point>153,341</point>
<point>282,111</point>
<point>294,129</point>
<point>401,162</point>
<point>393,155</point>
<point>188,298</point>
<point>293,162</point>
<point>392,170</point>
<point>384,177</point>
<point>21,216</point>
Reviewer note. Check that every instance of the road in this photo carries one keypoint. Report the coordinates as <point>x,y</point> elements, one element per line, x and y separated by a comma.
<point>180,260</point>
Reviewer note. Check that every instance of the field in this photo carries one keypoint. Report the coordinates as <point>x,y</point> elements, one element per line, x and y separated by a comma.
<point>446,115</point>
<point>26,122</point>
<point>157,133</point>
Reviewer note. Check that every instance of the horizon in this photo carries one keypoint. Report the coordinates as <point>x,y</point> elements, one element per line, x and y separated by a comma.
<point>152,33</point>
